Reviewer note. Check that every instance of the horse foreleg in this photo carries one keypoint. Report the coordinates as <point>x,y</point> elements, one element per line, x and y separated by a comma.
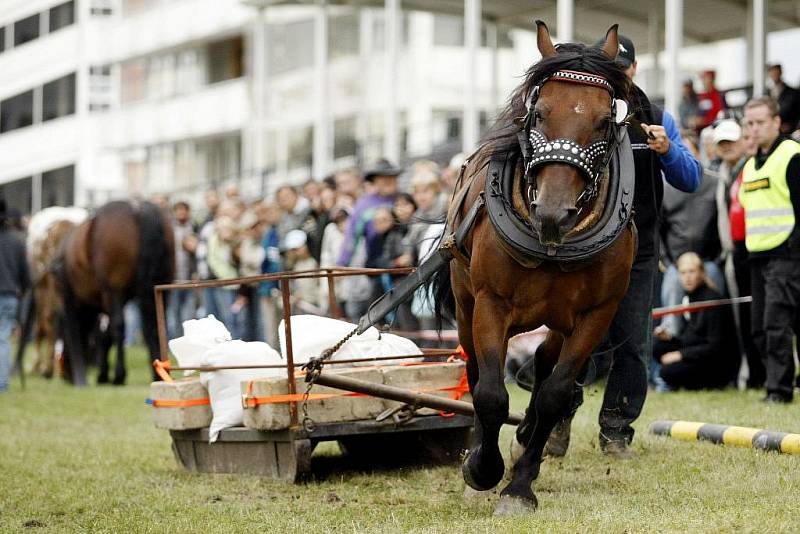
<point>75,355</point>
<point>553,402</point>
<point>117,329</point>
<point>150,330</point>
<point>483,467</point>
<point>544,360</point>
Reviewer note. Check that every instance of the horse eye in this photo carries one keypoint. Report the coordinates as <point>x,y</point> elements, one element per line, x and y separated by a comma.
<point>537,115</point>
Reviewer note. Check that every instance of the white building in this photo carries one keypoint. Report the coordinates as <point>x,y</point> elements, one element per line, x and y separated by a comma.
<point>108,98</point>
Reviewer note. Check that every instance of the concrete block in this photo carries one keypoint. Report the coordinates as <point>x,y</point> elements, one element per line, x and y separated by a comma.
<point>180,417</point>
<point>275,416</point>
<point>424,378</point>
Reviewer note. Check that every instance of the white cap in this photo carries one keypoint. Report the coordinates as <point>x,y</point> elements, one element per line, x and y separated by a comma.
<point>727,130</point>
<point>294,239</point>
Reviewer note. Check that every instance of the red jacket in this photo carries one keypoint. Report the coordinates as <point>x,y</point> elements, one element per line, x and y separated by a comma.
<point>710,104</point>
<point>736,213</point>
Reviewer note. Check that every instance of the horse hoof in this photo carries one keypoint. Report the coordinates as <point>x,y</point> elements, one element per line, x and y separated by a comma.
<point>473,495</point>
<point>509,506</point>
<point>102,379</point>
<point>119,380</point>
<point>481,481</point>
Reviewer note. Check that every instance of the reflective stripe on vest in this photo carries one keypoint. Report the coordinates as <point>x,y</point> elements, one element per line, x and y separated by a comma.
<point>769,214</point>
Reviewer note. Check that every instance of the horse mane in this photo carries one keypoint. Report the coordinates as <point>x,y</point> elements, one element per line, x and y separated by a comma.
<point>502,136</point>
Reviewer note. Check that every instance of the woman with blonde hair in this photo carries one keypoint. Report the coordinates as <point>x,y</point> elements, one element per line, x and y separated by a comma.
<point>706,353</point>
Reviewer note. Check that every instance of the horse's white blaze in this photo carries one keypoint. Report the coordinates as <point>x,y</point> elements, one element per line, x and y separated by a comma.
<point>580,108</point>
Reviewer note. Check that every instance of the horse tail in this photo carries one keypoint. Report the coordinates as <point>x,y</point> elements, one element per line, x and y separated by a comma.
<point>156,262</point>
<point>156,265</point>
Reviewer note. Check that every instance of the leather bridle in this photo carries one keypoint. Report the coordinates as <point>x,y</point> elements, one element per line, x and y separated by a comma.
<point>591,160</point>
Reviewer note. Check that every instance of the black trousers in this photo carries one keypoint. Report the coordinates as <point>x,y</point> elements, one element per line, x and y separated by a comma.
<point>741,270</point>
<point>776,296</point>
<point>688,374</point>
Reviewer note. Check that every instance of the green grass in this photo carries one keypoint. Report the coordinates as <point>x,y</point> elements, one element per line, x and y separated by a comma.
<point>90,460</point>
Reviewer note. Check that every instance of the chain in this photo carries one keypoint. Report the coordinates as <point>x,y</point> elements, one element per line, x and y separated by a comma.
<point>313,368</point>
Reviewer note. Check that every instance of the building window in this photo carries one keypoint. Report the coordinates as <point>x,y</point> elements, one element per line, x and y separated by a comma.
<point>226,60</point>
<point>58,187</point>
<point>343,36</point>
<point>448,30</point>
<point>134,80</point>
<point>132,7</point>
<point>18,195</point>
<point>344,138</point>
<point>301,147</point>
<point>62,16</point>
<point>59,98</point>
<point>26,30</point>
<point>2,39</point>
<point>291,46</point>
<point>16,112</point>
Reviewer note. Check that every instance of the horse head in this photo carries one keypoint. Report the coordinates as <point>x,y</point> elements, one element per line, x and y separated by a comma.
<point>570,115</point>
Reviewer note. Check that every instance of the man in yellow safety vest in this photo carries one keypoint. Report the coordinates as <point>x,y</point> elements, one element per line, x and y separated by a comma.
<point>770,195</point>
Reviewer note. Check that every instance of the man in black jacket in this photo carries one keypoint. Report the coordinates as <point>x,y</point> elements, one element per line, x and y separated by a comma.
<point>13,283</point>
<point>658,153</point>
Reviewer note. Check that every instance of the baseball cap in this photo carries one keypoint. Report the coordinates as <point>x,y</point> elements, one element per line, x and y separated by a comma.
<point>626,52</point>
<point>727,130</point>
<point>294,239</point>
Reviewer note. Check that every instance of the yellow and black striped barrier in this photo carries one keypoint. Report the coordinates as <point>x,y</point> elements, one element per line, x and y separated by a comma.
<point>736,436</point>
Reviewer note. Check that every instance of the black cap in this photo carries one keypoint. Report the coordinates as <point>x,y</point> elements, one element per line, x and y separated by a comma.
<point>626,53</point>
<point>382,168</point>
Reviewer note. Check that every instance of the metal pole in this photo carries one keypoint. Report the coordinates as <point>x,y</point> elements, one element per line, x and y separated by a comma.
<point>287,330</point>
<point>491,37</point>
<point>673,38</point>
<point>472,37</point>
<point>391,139</point>
<point>259,66</point>
<point>414,398</point>
<point>654,44</point>
<point>759,45</point>
<point>565,20</point>
<point>321,151</point>
<point>161,324</point>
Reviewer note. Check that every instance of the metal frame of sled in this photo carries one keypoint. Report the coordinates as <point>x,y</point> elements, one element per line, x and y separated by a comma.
<point>285,454</point>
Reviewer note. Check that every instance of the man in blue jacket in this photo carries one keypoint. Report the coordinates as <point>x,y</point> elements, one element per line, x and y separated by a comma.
<point>658,154</point>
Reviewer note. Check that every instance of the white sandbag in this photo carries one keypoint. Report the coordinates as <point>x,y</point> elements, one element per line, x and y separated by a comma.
<point>311,335</point>
<point>224,385</point>
<point>199,335</point>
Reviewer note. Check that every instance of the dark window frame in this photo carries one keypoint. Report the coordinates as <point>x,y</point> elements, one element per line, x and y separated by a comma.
<point>19,119</point>
<point>65,10</point>
<point>27,30</point>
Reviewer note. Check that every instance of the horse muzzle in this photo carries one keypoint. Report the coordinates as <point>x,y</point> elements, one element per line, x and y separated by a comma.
<point>552,224</point>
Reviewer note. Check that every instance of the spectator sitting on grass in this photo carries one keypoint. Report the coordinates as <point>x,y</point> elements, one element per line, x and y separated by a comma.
<point>705,354</point>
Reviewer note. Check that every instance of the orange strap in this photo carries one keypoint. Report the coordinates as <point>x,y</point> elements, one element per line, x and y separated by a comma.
<point>249,401</point>
<point>162,370</point>
<point>170,403</point>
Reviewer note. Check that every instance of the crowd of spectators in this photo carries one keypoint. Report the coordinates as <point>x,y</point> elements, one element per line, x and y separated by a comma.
<point>703,250</point>
<point>349,219</point>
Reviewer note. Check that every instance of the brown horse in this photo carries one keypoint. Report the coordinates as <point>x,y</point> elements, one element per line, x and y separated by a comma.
<point>537,254</point>
<point>117,255</point>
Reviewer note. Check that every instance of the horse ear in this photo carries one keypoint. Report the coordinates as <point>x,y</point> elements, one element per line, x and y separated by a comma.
<point>611,46</point>
<point>543,40</point>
